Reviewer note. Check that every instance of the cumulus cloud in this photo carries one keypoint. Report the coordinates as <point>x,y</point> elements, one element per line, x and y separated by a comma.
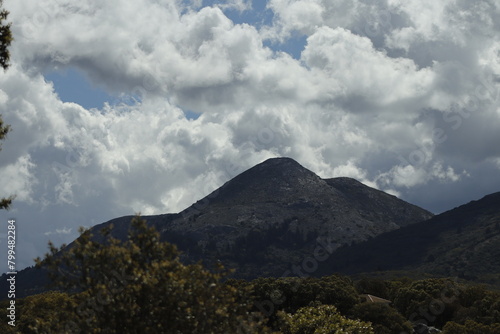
<point>290,15</point>
<point>409,176</point>
<point>59,231</point>
<point>17,178</point>
<point>239,5</point>
<point>403,96</point>
<point>363,71</point>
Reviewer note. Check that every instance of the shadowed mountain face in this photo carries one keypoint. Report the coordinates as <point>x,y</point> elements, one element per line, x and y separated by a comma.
<point>463,242</point>
<point>273,216</point>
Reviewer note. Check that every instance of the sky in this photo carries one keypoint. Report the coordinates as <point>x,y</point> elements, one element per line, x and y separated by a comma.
<point>119,107</point>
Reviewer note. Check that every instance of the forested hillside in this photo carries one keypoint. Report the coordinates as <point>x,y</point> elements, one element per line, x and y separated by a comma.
<point>140,286</point>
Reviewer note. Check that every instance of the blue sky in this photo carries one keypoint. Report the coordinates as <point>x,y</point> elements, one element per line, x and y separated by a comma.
<point>71,85</point>
<point>170,99</point>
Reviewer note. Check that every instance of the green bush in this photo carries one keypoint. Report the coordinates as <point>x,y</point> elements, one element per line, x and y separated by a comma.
<point>291,293</point>
<point>471,327</point>
<point>431,301</point>
<point>46,313</point>
<point>140,286</point>
<point>384,319</point>
<point>323,319</point>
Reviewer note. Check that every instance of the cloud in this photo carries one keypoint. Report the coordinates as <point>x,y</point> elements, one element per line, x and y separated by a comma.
<point>59,231</point>
<point>239,5</point>
<point>361,70</point>
<point>401,95</point>
<point>409,176</point>
<point>301,16</point>
<point>17,178</point>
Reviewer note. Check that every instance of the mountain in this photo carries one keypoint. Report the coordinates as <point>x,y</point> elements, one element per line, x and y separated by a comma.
<point>269,219</point>
<point>271,216</point>
<point>463,242</point>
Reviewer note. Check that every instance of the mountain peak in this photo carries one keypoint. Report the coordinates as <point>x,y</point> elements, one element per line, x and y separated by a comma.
<point>277,160</point>
<point>273,179</point>
<point>280,161</point>
<point>275,212</point>
<point>276,167</point>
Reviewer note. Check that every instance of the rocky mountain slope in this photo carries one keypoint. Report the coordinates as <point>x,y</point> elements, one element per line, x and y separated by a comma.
<point>273,216</point>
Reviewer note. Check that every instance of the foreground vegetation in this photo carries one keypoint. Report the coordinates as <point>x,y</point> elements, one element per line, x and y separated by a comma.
<point>141,286</point>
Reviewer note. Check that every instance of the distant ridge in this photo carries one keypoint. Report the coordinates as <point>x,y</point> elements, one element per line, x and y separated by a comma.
<point>463,242</point>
